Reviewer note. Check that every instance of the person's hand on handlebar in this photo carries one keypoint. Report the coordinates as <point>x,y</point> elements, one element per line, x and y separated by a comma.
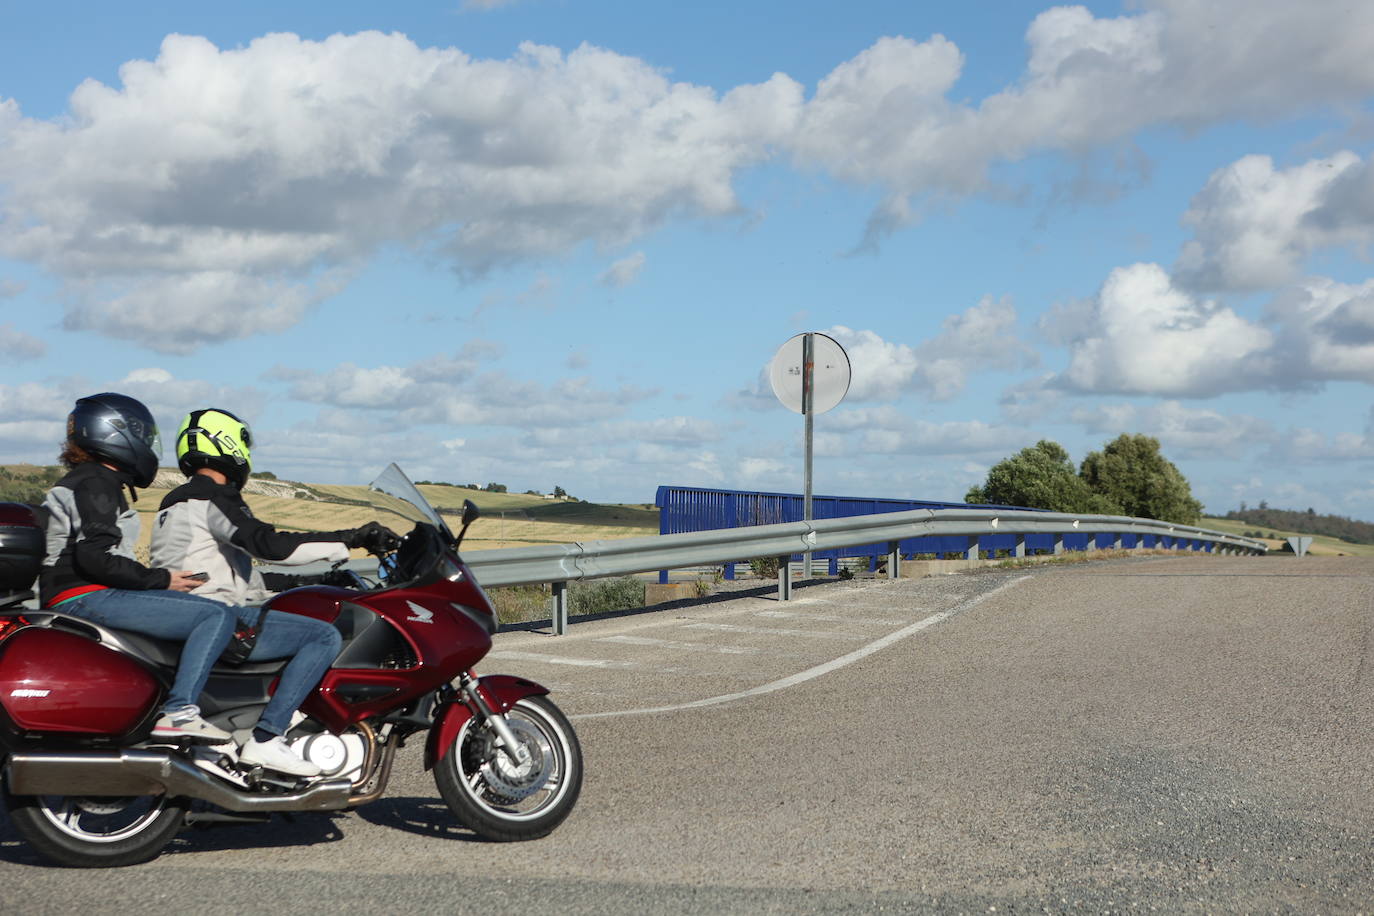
<point>375,538</point>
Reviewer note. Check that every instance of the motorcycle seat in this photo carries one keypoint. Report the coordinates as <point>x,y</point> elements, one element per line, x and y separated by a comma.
<point>167,653</point>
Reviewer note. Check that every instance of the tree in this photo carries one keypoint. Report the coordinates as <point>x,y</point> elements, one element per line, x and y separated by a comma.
<point>1040,476</point>
<point>1131,472</point>
<point>559,492</point>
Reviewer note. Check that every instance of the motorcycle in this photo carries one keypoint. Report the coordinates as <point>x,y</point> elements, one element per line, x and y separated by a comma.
<point>86,786</point>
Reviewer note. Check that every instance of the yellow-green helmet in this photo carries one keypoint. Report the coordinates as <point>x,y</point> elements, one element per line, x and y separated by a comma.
<point>216,439</point>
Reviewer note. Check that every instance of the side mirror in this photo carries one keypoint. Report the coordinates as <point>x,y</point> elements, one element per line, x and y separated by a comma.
<point>470,515</point>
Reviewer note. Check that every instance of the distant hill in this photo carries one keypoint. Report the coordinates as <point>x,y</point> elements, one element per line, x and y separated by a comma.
<point>1309,522</point>
<point>508,519</point>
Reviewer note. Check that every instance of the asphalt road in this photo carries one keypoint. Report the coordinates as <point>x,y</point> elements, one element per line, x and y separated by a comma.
<point>1183,734</point>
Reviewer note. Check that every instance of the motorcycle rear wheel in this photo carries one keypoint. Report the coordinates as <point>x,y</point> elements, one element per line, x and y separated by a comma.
<point>96,832</point>
<point>503,802</point>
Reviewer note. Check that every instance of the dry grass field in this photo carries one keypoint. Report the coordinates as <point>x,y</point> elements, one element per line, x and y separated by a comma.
<point>508,519</point>
<point>1321,546</point>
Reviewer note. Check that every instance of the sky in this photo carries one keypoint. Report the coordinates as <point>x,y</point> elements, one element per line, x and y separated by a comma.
<point>557,243</point>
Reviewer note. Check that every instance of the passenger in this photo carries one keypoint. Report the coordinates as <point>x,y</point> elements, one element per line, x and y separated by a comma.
<point>90,572</point>
<point>206,524</point>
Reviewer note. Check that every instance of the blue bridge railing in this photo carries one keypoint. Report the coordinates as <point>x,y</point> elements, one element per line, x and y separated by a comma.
<point>683,509</point>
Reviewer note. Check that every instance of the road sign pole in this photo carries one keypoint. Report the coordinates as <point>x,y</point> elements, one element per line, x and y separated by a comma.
<point>810,375</point>
<point>808,415</point>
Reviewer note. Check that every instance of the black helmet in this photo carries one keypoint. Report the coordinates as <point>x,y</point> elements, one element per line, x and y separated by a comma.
<point>120,430</point>
<point>216,439</point>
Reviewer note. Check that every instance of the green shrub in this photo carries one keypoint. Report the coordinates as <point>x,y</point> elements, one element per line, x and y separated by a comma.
<point>601,595</point>
<point>520,603</point>
<point>764,567</point>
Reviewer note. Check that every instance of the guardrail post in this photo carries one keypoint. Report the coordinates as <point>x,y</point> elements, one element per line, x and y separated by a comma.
<point>1020,550</point>
<point>1058,544</point>
<point>971,551</point>
<point>1117,541</point>
<point>560,608</point>
<point>784,578</point>
<point>894,560</point>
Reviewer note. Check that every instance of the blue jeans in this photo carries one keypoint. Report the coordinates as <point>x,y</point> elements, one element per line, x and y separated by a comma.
<point>312,645</point>
<point>205,626</point>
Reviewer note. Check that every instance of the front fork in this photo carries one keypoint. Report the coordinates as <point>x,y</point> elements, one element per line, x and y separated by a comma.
<point>490,696</point>
<point>505,738</point>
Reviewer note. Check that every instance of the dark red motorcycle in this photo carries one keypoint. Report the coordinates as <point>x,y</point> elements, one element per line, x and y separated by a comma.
<point>86,786</point>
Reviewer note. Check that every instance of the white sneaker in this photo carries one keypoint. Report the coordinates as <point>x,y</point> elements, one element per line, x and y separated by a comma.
<point>185,724</point>
<point>273,754</point>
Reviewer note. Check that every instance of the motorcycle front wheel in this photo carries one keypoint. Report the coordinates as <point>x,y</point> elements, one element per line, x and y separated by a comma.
<point>96,832</point>
<point>503,801</point>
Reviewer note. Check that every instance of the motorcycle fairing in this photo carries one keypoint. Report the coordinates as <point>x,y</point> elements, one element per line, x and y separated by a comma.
<point>435,637</point>
<point>501,691</point>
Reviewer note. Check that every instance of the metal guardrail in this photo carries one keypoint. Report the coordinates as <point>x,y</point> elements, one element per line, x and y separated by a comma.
<point>683,509</point>
<point>559,564</point>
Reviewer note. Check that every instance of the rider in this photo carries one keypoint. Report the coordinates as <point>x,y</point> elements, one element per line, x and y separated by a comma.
<point>90,572</point>
<point>205,523</point>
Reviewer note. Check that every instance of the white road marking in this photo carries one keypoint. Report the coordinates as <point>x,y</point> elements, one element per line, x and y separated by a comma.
<point>679,645</point>
<point>515,655</point>
<point>811,673</point>
<point>831,618</point>
<point>769,631</point>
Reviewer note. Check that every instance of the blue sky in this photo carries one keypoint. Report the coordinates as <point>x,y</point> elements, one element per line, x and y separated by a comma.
<point>557,243</point>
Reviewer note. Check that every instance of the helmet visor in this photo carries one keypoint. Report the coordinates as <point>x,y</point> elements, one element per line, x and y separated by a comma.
<point>139,431</point>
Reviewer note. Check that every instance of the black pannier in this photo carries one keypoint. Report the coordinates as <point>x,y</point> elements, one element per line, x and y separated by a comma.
<point>21,547</point>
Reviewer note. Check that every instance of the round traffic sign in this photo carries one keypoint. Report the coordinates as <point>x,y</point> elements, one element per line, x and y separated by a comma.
<point>829,373</point>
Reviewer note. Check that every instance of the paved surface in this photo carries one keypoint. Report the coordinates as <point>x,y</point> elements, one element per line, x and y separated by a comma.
<point>1183,734</point>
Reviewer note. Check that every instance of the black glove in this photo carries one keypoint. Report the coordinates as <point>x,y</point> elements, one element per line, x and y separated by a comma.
<point>373,537</point>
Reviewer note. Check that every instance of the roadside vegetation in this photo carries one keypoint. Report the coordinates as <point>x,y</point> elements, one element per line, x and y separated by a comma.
<point>524,603</point>
<point>1277,538</point>
<point>1332,526</point>
<point>1129,476</point>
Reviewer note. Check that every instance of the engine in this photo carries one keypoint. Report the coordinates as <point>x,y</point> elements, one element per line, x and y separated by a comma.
<point>335,755</point>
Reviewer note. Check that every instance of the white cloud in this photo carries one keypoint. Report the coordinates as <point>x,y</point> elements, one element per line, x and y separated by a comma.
<point>454,391</point>
<point>889,431</point>
<point>214,194</point>
<point>887,118</point>
<point>879,369</point>
<point>34,401</point>
<point>34,413</point>
<point>170,399</point>
<point>228,191</point>
<point>18,345</point>
<point>688,431</point>
<point>1187,431</point>
<point>9,289</point>
<point>625,271</point>
<point>1327,331</point>
<point>1146,336</point>
<point>1255,226</point>
<point>979,339</point>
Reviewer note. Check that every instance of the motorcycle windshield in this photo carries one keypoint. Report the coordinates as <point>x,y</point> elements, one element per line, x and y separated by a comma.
<point>405,500</point>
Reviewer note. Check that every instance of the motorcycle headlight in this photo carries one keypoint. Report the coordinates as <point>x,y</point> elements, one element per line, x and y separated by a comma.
<point>451,569</point>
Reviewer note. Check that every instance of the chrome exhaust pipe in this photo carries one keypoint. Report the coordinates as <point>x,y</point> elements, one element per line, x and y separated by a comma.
<point>139,772</point>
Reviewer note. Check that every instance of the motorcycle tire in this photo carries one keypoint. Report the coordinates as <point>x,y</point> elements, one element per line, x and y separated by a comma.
<point>500,801</point>
<point>96,832</point>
